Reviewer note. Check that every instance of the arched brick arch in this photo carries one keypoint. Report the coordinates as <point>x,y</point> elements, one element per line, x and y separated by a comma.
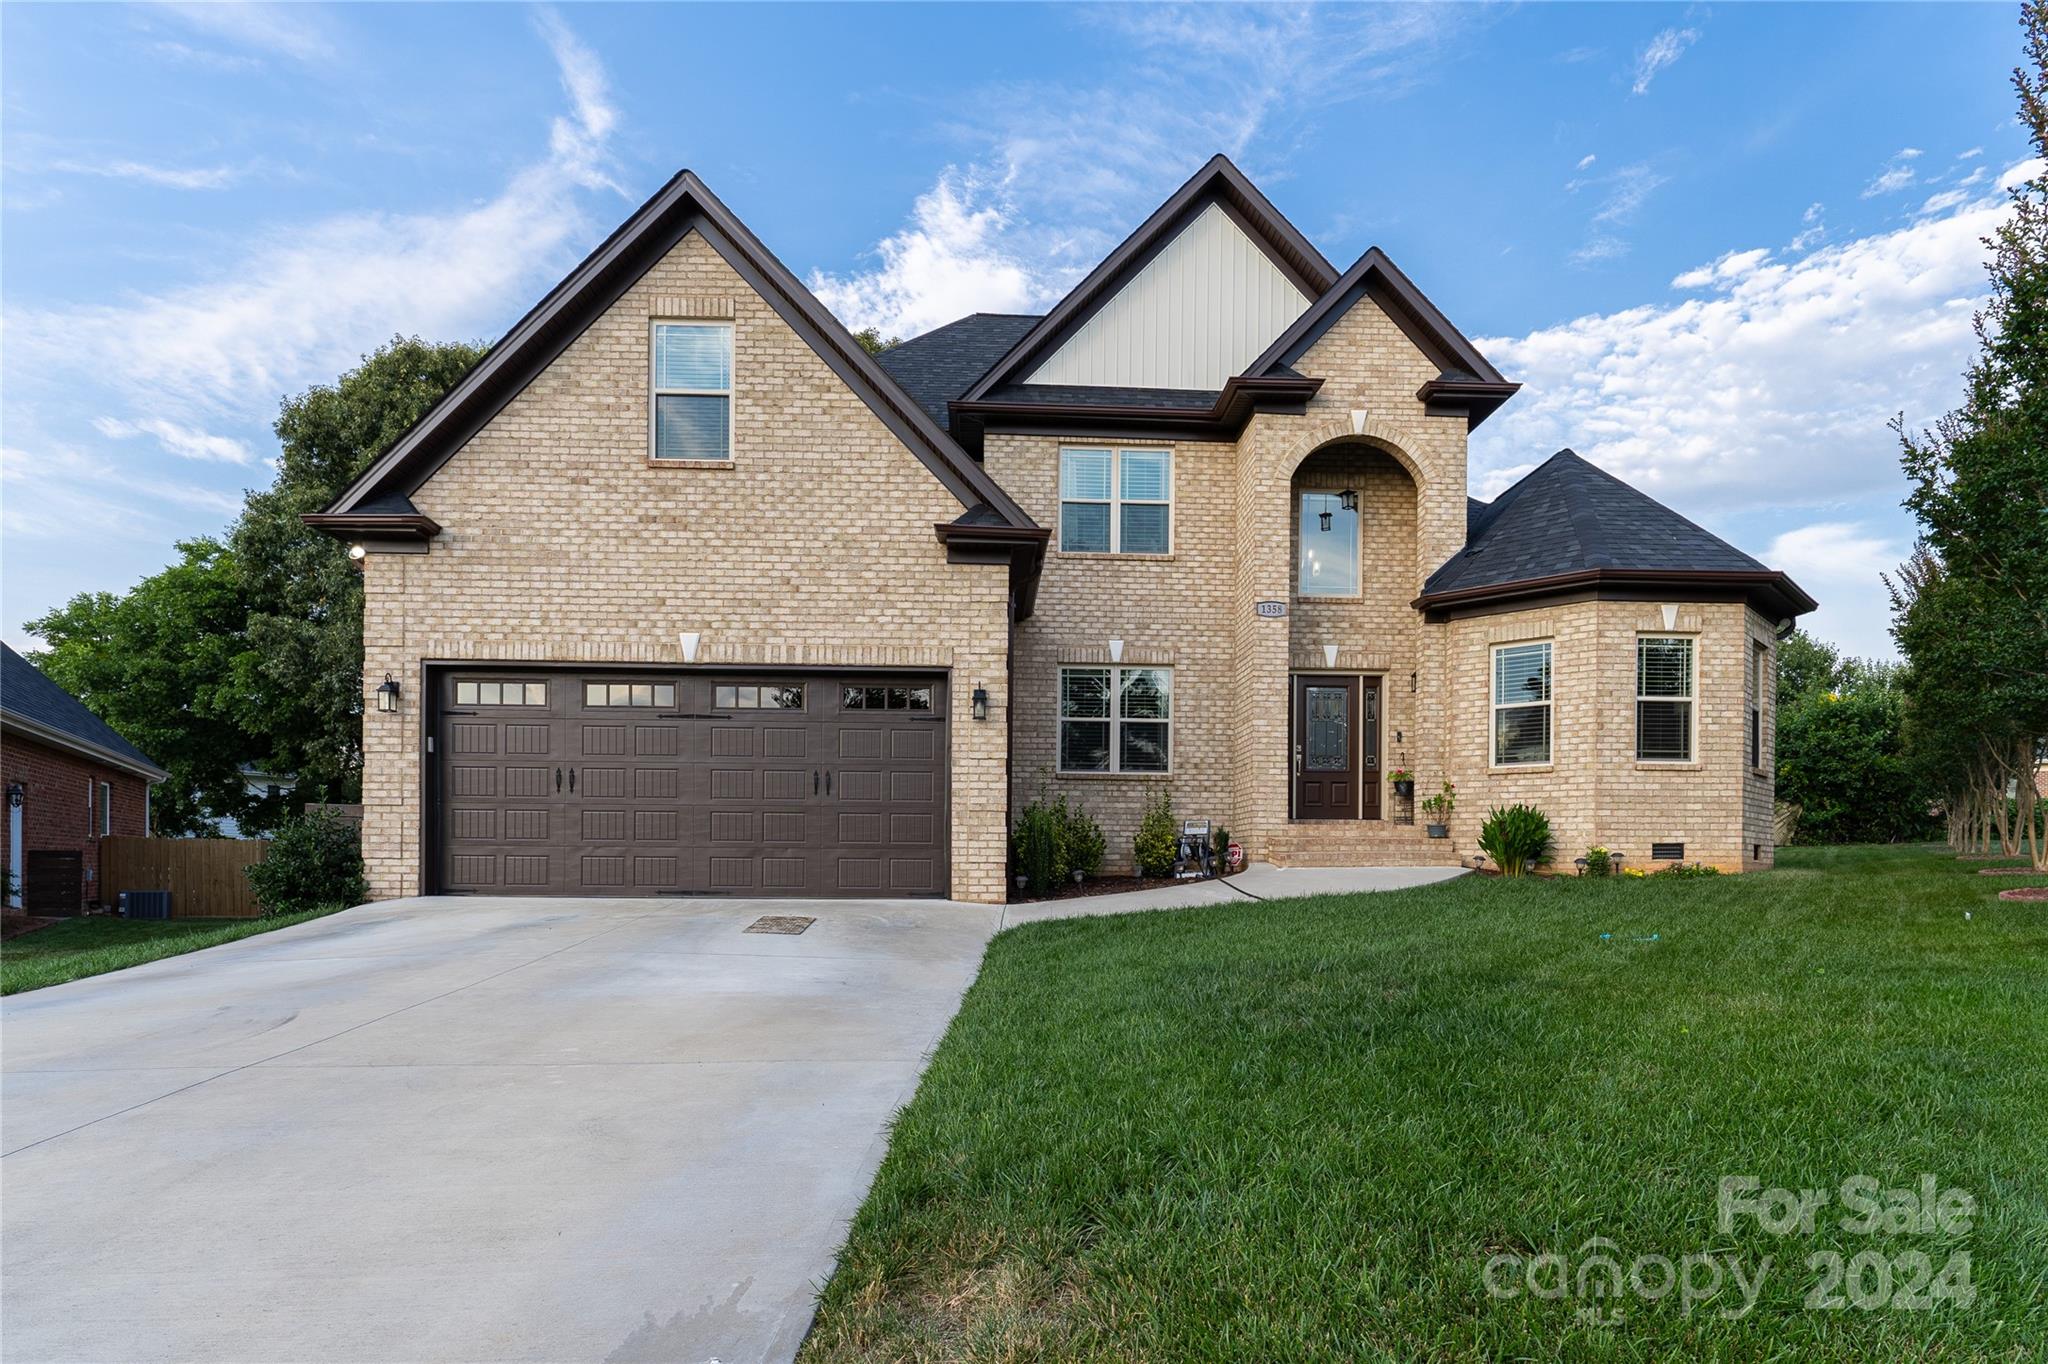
<point>1394,439</point>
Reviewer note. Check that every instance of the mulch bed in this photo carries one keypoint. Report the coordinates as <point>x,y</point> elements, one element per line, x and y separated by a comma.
<point>2025,893</point>
<point>1094,885</point>
<point>14,925</point>
<point>2009,871</point>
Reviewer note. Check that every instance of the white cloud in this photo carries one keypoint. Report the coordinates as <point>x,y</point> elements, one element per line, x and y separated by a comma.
<point>169,177</point>
<point>1944,201</point>
<point>1587,160</point>
<point>1812,230</point>
<point>51,495</point>
<point>1965,156</point>
<point>1054,175</point>
<point>1840,563</point>
<point>1773,389</point>
<point>1664,49</point>
<point>297,32</point>
<point>1896,174</point>
<point>302,302</point>
<point>186,442</point>
<point>2015,176</point>
<point>949,261</point>
<point>1626,190</point>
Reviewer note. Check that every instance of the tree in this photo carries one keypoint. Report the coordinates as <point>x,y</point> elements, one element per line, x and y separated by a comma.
<point>303,670</point>
<point>871,341</point>
<point>1806,666</point>
<point>161,664</point>
<point>1971,610</point>
<point>1842,760</point>
<point>250,652</point>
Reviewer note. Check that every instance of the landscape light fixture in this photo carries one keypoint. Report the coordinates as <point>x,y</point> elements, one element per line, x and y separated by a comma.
<point>387,695</point>
<point>981,703</point>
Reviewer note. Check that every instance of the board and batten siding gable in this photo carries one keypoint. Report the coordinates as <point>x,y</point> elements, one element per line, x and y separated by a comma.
<point>1197,313</point>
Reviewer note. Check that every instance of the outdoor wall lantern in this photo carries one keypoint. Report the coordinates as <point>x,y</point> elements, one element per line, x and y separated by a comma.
<point>356,552</point>
<point>1323,518</point>
<point>387,695</point>
<point>15,793</point>
<point>981,703</point>
<point>1348,499</point>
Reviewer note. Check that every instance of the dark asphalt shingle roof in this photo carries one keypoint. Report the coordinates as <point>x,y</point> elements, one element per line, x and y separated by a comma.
<point>27,694</point>
<point>1103,395</point>
<point>942,364</point>
<point>1566,516</point>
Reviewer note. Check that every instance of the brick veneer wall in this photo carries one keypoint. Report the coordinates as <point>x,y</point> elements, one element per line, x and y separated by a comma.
<point>813,546</point>
<point>54,812</point>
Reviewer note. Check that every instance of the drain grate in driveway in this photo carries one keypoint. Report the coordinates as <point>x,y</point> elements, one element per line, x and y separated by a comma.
<point>779,923</point>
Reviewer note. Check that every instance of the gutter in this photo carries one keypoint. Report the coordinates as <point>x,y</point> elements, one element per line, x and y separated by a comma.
<point>57,738</point>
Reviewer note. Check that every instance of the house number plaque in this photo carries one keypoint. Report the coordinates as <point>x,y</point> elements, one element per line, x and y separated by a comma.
<point>1270,608</point>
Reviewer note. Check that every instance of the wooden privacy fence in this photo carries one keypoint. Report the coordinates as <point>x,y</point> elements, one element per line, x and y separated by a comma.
<point>203,875</point>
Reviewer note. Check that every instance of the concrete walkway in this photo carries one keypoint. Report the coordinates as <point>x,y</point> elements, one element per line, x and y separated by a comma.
<point>1259,881</point>
<point>478,1129</point>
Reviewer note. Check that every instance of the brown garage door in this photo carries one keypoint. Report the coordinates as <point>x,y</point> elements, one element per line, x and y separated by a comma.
<point>584,783</point>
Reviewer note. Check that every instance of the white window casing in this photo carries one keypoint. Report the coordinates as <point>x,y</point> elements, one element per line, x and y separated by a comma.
<point>1666,704</point>
<point>690,401</point>
<point>1116,500</point>
<point>1115,720</point>
<point>1522,704</point>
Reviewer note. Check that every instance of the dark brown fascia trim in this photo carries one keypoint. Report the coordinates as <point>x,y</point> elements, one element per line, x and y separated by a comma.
<point>35,731</point>
<point>354,526</point>
<point>1778,589</point>
<point>1023,549</point>
<point>1223,420</point>
<point>1374,276</point>
<point>541,336</point>
<point>1474,401</point>
<point>1218,180</point>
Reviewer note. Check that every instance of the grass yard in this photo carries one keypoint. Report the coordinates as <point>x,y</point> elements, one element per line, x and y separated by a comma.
<point>1303,1130</point>
<point>90,946</point>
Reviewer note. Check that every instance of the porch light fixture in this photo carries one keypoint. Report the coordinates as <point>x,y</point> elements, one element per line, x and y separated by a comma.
<point>357,552</point>
<point>1348,499</point>
<point>981,703</point>
<point>16,792</point>
<point>1323,518</point>
<point>387,695</point>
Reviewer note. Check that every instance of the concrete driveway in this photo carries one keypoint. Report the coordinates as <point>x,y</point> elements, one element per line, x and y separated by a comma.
<point>464,1129</point>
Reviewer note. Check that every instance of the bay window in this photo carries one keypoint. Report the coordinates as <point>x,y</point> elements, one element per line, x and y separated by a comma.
<point>1521,704</point>
<point>1664,699</point>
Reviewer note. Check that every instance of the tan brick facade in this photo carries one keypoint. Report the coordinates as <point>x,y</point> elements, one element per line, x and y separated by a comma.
<point>813,547</point>
<point>1235,545</point>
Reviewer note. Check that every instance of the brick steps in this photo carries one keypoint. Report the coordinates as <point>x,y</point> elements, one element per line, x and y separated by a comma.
<point>1358,843</point>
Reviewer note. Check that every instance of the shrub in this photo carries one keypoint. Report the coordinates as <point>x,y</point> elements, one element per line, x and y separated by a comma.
<point>1516,837</point>
<point>1598,861</point>
<point>1080,839</point>
<point>1036,846</point>
<point>1688,869</point>
<point>1158,841</point>
<point>314,861</point>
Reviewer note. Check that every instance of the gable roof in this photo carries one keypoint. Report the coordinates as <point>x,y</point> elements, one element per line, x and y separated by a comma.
<point>684,203</point>
<point>40,709</point>
<point>1468,383</point>
<point>1568,525</point>
<point>1217,182</point>
<point>943,363</point>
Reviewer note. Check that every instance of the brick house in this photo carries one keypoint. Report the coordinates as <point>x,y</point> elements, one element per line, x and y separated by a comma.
<point>71,781</point>
<point>680,591</point>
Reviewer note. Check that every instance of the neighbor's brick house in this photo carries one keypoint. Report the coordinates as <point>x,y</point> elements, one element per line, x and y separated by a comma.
<point>71,780</point>
<point>680,591</point>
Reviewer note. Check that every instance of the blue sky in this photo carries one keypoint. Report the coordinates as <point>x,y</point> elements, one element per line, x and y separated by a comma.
<point>1721,245</point>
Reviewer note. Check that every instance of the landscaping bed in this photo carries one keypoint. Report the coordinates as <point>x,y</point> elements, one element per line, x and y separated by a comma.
<point>1097,885</point>
<point>1302,1130</point>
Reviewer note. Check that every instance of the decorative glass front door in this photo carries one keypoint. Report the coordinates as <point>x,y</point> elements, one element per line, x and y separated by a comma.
<point>1336,753</point>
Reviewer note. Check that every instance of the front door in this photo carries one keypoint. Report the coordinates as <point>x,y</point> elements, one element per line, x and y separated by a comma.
<point>1336,747</point>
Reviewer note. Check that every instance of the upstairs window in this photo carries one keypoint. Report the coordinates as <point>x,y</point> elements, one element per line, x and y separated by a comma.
<point>1664,699</point>
<point>1521,704</point>
<point>1116,501</point>
<point>1329,545</point>
<point>692,390</point>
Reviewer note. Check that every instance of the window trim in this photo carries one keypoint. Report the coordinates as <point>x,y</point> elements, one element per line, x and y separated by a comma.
<point>106,809</point>
<point>1117,500</point>
<point>655,393</point>
<point>1496,706</point>
<point>1691,700</point>
<point>1114,719</point>
<point>1357,549</point>
<point>1758,652</point>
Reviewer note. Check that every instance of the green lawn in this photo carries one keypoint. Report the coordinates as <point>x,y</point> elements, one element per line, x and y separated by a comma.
<point>89,946</point>
<point>1301,1130</point>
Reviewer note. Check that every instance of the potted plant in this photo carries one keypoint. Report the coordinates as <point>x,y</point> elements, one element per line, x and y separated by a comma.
<point>1438,809</point>
<point>1404,782</point>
